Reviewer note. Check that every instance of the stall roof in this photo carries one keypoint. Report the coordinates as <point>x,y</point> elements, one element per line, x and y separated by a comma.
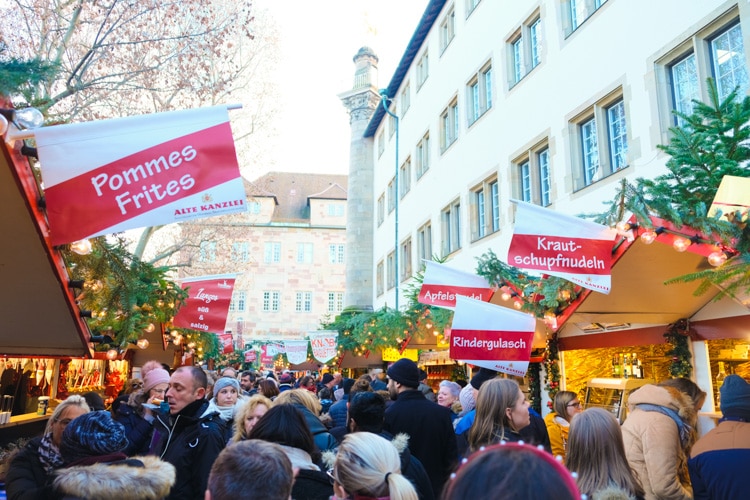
<point>640,304</point>
<point>37,310</point>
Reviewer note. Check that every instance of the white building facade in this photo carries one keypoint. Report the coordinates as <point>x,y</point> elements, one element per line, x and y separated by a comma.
<point>552,102</point>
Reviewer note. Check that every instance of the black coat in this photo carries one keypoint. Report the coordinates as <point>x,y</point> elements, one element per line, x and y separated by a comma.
<point>312,485</point>
<point>431,436</point>
<point>191,443</point>
<point>137,429</point>
<point>26,479</point>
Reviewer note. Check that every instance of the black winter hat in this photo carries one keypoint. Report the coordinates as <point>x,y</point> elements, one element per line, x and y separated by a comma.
<point>327,378</point>
<point>405,371</point>
<point>735,397</point>
<point>347,384</point>
<point>482,376</point>
<point>91,435</point>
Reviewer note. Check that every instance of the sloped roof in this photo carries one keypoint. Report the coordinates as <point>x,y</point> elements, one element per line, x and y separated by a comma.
<point>292,192</point>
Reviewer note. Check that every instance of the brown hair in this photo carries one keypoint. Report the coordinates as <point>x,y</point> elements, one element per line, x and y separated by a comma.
<point>268,388</point>
<point>562,400</point>
<point>495,396</point>
<point>236,470</point>
<point>597,454</point>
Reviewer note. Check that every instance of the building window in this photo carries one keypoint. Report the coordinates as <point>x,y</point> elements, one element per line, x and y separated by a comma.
<point>447,30</point>
<point>451,235</point>
<point>479,94</point>
<point>379,285</point>
<point>534,176</point>
<point>424,243</point>
<point>381,144</point>
<point>392,124</point>
<point>449,125</point>
<point>271,301</point>
<point>253,207</point>
<point>525,47</point>
<point>423,155</point>
<point>381,209</point>
<point>335,209</point>
<point>405,260</point>
<point>723,52</point>
<point>303,302</point>
<point>485,209</point>
<point>272,252</point>
<point>207,252</point>
<point>304,253</point>
<point>238,302</point>
<point>240,251</point>
<point>423,70</point>
<point>580,10</point>
<point>404,178</point>
<point>335,302</point>
<point>391,195</point>
<point>336,253</point>
<point>603,143</point>
<point>391,277</point>
<point>405,99</point>
<point>470,6</point>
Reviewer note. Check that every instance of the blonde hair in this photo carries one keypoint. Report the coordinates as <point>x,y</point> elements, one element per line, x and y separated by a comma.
<point>242,413</point>
<point>596,453</point>
<point>301,397</point>
<point>369,465</point>
<point>491,421</point>
<point>70,401</point>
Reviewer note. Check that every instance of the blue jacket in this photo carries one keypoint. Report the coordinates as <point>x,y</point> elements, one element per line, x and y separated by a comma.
<point>718,463</point>
<point>337,411</point>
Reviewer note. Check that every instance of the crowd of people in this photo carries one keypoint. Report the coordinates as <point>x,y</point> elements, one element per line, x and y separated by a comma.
<point>192,434</point>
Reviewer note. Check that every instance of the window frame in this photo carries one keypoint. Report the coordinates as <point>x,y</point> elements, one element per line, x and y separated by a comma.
<point>528,174</point>
<point>207,251</point>
<point>303,302</point>
<point>479,93</point>
<point>405,100</point>
<point>381,209</point>
<point>272,252</point>
<point>525,48</point>
<point>392,195</point>
<point>424,243</point>
<point>423,69</point>
<point>271,301</point>
<point>335,302</point>
<point>390,271</point>
<point>449,125</point>
<point>450,218</point>
<point>422,156</point>
<point>404,181</point>
<point>485,208</point>
<point>379,283</point>
<point>405,259</point>
<point>337,253</point>
<point>306,251</point>
<point>447,30</point>
<point>240,251</point>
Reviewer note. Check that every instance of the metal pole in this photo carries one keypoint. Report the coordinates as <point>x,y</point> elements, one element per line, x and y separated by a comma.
<point>384,99</point>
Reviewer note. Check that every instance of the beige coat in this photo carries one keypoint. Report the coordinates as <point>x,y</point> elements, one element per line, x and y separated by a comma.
<point>652,442</point>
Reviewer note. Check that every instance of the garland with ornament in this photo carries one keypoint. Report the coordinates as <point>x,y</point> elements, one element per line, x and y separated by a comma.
<point>678,336</point>
<point>535,387</point>
<point>552,367</point>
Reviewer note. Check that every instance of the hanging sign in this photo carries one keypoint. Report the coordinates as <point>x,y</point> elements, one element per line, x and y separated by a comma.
<point>111,175</point>
<point>274,349</point>
<point>491,336</point>
<point>324,344</point>
<point>441,285</point>
<point>227,346</point>
<point>560,245</point>
<point>250,356</point>
<point>265,358</point>
<point>391,354</point>
<point>207,305</point>
<point>296,351</point>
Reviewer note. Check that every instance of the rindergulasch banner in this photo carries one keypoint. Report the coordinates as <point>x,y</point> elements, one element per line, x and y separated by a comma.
<point>207,305</point>
<point>442,284</point>
<point>491,336</point>
<point>560,245</point>
<point>111,175</point>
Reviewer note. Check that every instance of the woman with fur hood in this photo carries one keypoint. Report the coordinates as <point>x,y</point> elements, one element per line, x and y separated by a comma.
<point>97,468</point>
<point>658,433</point>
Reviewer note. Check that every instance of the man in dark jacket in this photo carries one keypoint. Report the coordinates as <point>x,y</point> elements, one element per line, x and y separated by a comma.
<point>367,414</point>
<point>428,425</point>
<point>186,439</point>
<point>337,411</point>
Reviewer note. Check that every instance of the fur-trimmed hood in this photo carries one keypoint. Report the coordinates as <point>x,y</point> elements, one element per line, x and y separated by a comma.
<point>612,493</point>
<point>668,397</point>
<point>125,480</point>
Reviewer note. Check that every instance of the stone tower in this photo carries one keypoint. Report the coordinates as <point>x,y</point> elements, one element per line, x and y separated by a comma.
<point>361,102</point>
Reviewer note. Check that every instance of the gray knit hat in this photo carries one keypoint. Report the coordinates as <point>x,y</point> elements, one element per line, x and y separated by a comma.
<point>223,382</point>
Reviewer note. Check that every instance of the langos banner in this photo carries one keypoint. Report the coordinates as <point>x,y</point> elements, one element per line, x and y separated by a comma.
<point>207,305</point>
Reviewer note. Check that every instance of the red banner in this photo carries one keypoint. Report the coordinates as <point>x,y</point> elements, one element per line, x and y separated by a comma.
<point>251,356</point>
<point>265,358</point>
<point>227,346</point>
<point>207,305</point>
<point>441,284</point>
<point>138,171</point>
<point>490,345</point>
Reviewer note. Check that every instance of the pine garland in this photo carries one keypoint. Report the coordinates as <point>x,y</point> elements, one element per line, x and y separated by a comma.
<point>552,366</point>
<point>535,386</point>
<point>678,336</point>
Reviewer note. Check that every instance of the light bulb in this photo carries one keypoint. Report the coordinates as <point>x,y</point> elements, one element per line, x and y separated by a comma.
<point>648,237</point>
<point>29,118</point>
<point>717,258</point>
<point>142,343</point>
<point>112,354</point>
<point>518,303</point>
<point>81,247</point>
<point>505,296</point>
<point>150,328</point>
<point>681,244</point>
<point>622,227</point>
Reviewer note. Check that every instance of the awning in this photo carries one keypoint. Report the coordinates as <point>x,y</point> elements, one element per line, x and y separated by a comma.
<point>38,312</point>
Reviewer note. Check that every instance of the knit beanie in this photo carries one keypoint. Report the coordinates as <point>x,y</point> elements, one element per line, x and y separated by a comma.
<point>327,377</point>
<point>153,374</point>
<point>223,382</point>
<point>92,434</point>
<point>466,397</point>
<point>735,398</point>
<point>347,385</point>
<point>405,372</point>
<point>482,376</point>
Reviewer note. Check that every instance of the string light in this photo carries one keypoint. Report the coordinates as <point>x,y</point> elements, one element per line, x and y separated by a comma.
<point>717,258</point>
<point>681,243</point>
<point>648,237</point>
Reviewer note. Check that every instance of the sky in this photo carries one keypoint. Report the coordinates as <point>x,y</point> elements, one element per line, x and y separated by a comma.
<point>319,39</point>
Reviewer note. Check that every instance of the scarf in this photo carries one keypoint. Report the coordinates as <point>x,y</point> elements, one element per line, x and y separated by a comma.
<point>49,454</point>
<point>300,459</point>
<point>683,427</point>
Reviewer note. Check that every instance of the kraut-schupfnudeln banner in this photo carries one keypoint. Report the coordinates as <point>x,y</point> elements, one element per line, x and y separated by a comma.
<point>112,175</point>
<point>491,336</point>
<point>560,245</point>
